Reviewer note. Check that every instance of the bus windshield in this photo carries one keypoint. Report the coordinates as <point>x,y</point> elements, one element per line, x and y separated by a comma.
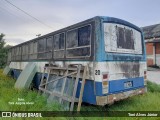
<point>122,39</point>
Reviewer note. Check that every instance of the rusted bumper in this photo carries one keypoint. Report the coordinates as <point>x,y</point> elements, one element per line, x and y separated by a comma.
<point>110,99</point>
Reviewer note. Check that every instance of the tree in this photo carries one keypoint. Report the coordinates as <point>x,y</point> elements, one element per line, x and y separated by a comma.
<point>3,51</point>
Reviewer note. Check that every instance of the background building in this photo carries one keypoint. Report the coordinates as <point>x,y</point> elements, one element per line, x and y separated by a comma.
<point>152,40</point>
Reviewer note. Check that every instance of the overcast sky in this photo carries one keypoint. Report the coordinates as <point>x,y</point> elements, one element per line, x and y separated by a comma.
<point>18,27</point>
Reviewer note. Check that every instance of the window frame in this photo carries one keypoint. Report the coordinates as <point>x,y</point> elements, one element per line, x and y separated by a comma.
<point>52,44</point>
<point>35,53</point>
<point>77,42</point>
<point>58,50</point>
<point>26,53</point>
<point>137,43</point>
<point>64,41</point>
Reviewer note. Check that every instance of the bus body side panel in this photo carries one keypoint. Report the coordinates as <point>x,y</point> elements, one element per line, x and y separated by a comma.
<point>89,95</point>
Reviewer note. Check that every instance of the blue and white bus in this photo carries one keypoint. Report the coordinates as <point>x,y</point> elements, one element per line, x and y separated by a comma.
<point>113,49</point>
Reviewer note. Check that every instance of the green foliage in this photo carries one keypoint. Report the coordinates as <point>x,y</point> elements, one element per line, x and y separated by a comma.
<point>9,94</point>
<point>153,87</point>
<point>3,51</point>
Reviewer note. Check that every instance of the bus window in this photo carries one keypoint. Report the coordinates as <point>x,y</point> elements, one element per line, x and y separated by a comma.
<point>59,45</point>
<point>72,37</point>
<point>33,50</point>
<point>13,53</point>
<point>59,41</point>
<point>41,48</point>
<point>84,36</point>
<point>41,45</point>
<point>78,42</point>
<point>49,44</point>
<point>18,53</point>
<point>25,52</point>
<point>49,47</point>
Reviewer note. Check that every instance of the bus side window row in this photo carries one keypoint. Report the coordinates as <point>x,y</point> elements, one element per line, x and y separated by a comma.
<point>77,44</point>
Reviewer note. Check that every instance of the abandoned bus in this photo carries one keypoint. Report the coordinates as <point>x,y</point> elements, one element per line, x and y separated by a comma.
<point>113,50</point>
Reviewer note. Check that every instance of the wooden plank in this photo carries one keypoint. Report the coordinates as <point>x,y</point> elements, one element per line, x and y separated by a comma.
<point>82,89</point>
<point>61,68</point>
<point>64,97</point>
<point>42,76</point>
<point>59,78</point>
<point>41,80</point>
<point>63,86</point>
<point>75,88</point>
<point>61,94</point>
<point>47,78</point>
<point>39,92</point>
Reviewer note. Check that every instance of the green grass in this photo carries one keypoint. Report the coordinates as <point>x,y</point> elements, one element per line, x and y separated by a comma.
<point>8,94</point>
<point>149,101</point>
<point>146,102</point>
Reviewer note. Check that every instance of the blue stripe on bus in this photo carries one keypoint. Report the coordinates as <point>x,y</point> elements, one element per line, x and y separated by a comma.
<point>118,85</point>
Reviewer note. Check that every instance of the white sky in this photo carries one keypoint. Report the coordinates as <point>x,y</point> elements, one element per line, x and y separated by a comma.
<point>18,27</point>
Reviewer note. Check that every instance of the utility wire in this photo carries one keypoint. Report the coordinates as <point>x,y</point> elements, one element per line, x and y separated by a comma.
<point>28,14</point>
<point>8,12</point>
